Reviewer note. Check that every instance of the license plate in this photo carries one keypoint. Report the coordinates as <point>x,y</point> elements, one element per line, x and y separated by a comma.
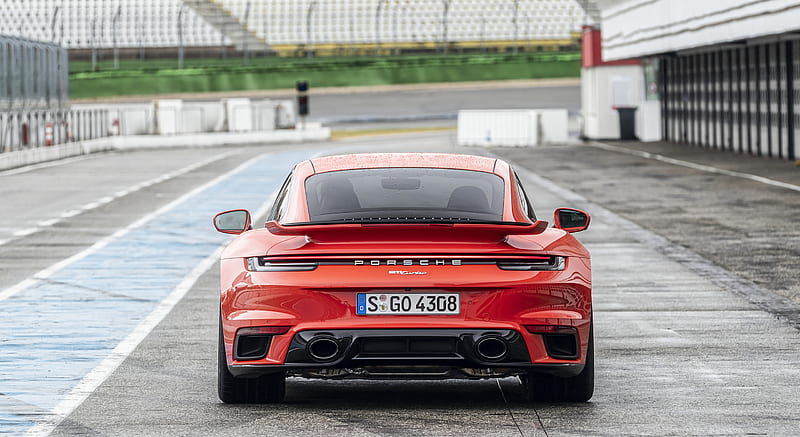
<point>369,304</point>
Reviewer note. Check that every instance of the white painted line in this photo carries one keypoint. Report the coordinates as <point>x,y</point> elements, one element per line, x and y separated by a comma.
<point>754,293</point>
<point>49,271</point>
<point>106,367</point>
<point>25,232</point>
<point>692,165</point>
<point>70,213</point>
<point>46,223</point>
<point>99,374</point>
<point>108,199</point>
<point>56,163</point>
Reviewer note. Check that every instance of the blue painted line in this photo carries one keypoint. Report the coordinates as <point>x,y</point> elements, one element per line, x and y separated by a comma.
<point>54,333</point>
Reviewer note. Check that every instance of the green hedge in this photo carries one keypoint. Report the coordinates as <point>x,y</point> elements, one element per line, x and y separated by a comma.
<point>325,72</point>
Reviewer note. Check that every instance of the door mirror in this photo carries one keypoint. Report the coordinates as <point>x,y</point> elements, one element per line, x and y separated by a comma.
<point>233,222</point>
<point>571,220</point>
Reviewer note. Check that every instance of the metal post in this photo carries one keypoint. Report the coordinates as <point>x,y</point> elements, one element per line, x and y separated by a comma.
<point>483,34</point>
<point>114,36</point>
<point>266,32</point>
<point>790,74</point>
<point>352,36</point>
<point>445,10</point>
<point>56,13</point>
<point>309,51</point>
<point>245,48</point>
<point>394,30</point>
<point>180,37</point>
<point>527,35</point>
<point>516,25</point>
<point>94,44</point>
<point>140,37</point>
<point>101,23</point>
<point>378,27</point>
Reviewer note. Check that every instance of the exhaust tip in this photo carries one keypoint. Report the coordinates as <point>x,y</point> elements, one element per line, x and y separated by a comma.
<point>491,348</point>
<point>323,348</point>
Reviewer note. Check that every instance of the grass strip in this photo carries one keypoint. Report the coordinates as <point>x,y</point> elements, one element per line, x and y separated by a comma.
<point>325,73</point>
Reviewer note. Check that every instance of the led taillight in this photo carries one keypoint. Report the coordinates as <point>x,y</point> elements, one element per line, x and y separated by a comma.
<point>540,263</point>
<point>260,264</point>
<point>264,330</point>
<point>549,329</point>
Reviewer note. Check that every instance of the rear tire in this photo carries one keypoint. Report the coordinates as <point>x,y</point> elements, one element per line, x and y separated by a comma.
<point>264,389</point>
<point>551,388</point>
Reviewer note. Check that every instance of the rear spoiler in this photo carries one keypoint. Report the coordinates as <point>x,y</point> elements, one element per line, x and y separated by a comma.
<point>341,232</point>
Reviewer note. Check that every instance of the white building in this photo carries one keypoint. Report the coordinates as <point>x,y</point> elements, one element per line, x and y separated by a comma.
<point>724,74</point>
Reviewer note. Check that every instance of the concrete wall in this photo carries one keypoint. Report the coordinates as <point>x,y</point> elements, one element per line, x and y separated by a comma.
<point>512,127</point>
<point>172,117</point>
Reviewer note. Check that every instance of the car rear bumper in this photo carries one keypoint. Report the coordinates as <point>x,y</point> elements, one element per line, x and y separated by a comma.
<point>476,353</point>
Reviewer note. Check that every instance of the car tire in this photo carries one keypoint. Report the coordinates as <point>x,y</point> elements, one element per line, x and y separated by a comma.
<point>551,388</point>
<point>265,389</point>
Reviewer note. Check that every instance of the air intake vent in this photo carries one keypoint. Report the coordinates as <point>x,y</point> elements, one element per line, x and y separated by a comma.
<point>561,346</point>
<point>252,347</point>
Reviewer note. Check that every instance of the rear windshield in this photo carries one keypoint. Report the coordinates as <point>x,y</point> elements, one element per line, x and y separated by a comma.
<point>404,195</point>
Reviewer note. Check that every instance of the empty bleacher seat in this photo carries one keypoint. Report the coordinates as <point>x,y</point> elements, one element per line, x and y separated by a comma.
<point>154,23</point>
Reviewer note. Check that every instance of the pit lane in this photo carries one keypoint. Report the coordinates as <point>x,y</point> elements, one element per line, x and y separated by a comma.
<point>677,353</point>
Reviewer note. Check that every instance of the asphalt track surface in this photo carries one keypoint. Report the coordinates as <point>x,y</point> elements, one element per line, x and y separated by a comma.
<point>430,102</point>
<point>119,338</point>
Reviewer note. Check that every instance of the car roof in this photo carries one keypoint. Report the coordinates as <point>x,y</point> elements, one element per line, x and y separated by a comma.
<point>413,160</point>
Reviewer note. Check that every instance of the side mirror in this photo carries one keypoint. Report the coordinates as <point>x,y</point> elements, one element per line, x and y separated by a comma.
<point>233,222</point>
<point>571,220</point>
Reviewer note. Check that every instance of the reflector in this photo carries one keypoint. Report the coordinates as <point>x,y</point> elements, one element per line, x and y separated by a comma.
<point>264,330</point>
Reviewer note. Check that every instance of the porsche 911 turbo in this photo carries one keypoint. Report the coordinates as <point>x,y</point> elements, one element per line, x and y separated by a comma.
<point>404,266</point>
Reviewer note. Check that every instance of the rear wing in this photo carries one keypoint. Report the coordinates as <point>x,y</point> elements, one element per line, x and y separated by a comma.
<point>467,232</point>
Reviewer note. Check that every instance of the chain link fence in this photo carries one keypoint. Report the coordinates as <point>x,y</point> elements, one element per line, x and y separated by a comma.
<point>34,98</point>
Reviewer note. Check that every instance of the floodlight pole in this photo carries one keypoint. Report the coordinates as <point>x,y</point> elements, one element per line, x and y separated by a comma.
<point>352,36</point>
<point>394,29</point>
<point>180,37</point>
<point>483,34</point>
<point>309,52</point>
<point>140,36</point>
<point>114,36</point>
<point>527,35</point>
<point>94,44</point>
<point>56,13</point>
<point>516,25</point>
<point>445,12</point>
<point>378,27</point>
<point>244,34</point>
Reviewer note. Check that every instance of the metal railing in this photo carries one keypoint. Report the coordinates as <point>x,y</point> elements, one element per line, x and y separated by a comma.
<point>25,129</point>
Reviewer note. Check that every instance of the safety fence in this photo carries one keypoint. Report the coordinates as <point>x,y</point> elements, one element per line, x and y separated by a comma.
<point>33,74</point>
<point>34,98</point>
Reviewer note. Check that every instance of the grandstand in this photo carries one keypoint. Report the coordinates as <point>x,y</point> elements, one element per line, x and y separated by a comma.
<point>296,26</point>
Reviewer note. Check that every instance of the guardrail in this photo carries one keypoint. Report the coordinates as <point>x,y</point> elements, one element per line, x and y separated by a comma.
<point>28,129</point>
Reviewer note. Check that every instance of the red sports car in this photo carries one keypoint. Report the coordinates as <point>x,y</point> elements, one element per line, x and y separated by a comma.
<point>404,265</point>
